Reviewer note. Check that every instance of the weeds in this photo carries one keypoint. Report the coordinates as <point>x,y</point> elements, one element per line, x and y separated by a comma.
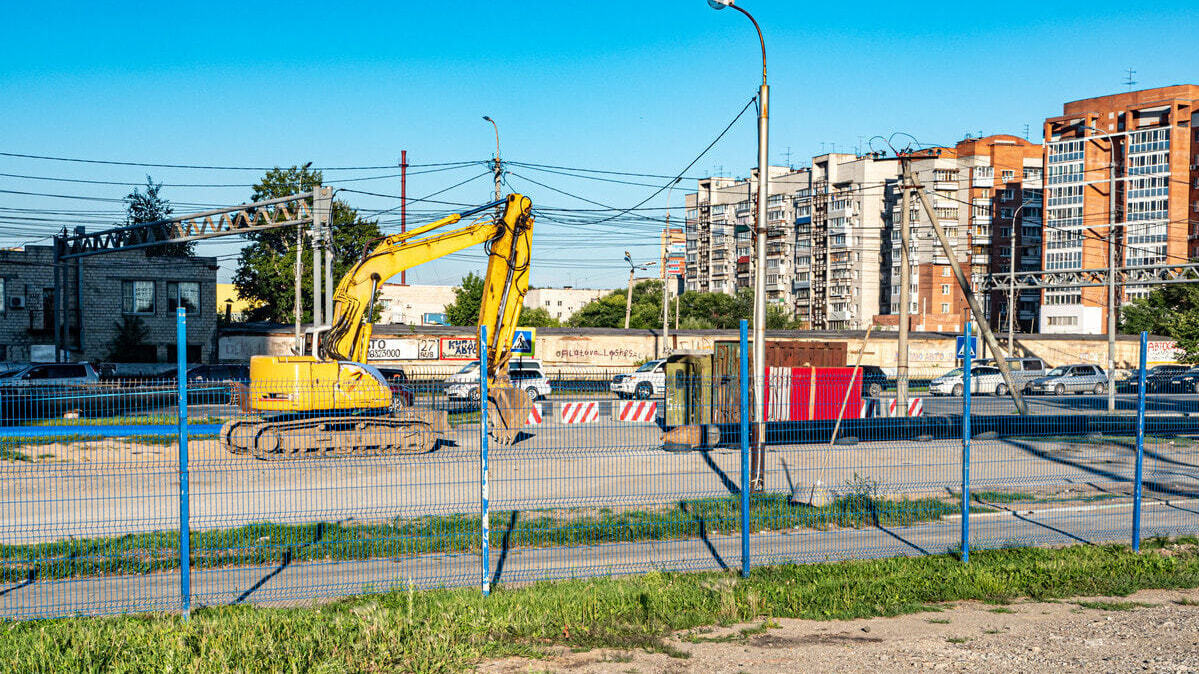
<point>1113,605</point>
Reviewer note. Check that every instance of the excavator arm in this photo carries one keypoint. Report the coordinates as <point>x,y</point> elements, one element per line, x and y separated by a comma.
<point>507,241</point>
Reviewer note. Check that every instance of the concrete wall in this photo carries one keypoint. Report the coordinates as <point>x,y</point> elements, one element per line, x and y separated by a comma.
<point>563,349</point>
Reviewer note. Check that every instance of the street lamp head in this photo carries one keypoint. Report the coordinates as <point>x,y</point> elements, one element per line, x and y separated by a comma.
<point>488,119</point>
<point>719,4</point>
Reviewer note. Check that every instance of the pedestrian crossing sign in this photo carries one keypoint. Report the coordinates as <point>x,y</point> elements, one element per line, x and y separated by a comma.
<point>524,342</point>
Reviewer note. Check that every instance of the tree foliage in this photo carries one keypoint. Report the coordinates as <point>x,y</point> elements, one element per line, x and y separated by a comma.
<point>142,207</point>
<point>697,311</point>
<point>266,269</point>
<point>537,317</point>
<point>130,343</point>
<point>1171,311</point>
<point>468,297</point>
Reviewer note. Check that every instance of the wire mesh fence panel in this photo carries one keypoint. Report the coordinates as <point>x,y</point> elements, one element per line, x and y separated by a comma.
<point>846,474</point>
<point>1170,505</point>
<point>343,487</point>
<point>591,489</point>
<point>88,498</point>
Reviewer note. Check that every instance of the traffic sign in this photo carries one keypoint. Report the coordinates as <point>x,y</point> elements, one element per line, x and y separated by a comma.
<point>960,348</point>
<point>524,342</point>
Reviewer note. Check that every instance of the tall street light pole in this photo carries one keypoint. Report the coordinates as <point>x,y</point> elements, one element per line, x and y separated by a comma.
<point>498,167</point>
<point>628,302</point>
<point>666,276</point>
<point>759,349</point>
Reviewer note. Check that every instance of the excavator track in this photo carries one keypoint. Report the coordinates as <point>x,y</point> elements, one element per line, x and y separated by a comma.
<point>408,432</point>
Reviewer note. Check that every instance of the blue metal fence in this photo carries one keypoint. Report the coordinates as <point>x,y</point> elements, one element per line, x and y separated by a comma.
<point>137,503</point>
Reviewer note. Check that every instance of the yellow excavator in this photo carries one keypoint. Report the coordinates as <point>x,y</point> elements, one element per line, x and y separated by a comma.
<point>332,403</point>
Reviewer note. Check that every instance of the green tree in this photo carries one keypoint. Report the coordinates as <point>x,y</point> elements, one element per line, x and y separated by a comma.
<point>130,343</point>
<point>537,317</point>
<point>468,297</point>
<point>142,207</point>
<point>1171,311</point>
<point>266,268</point>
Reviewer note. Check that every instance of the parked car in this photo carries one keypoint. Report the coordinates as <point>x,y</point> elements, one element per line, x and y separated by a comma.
<point>874,381</point>
<point>525,374</point>
<point>1071,379</point>
<point>1157,379</point>
<point>647,381</point>
<point>1022,370</point>
<point>401,387</point>
<point>1184,382</point>
<point>50,374</point>
<point>983,379</point>
<point>209,384</point>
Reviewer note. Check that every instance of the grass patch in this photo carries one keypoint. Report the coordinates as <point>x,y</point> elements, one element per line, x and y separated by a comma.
<point>1000,609</point>
<point>269,543</point>
<point>7,453</point>
<point>453,630</point>
<point>1113,605</point>
<point>938,621</point>
<point>958,640</point>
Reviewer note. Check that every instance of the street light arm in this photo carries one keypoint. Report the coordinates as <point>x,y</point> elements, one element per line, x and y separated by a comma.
<point>760,38</point>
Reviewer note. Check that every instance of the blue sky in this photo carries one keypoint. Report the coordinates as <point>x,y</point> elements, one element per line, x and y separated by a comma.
<point>635,87</point>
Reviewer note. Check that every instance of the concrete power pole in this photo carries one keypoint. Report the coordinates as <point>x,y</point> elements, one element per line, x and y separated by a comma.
<point>905,290</point>
<point>299,348</point>
<point>983,326</point>
<point>1111,282</point>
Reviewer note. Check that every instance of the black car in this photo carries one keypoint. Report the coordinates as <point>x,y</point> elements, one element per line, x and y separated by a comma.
<point>1183,382</point>
<point>874,381</point>
<point>210,384</point>
<point>397,380</point>
<point>1157,379</point>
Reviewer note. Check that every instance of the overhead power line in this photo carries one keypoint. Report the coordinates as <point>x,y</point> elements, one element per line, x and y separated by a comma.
<point>111,162</point>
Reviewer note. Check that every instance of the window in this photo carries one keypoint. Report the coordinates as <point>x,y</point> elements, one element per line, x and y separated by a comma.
<point>1009,195</point>
<point>1005,213</point>
<point>944,307</point>
<point>1007,176</point>
<point>945,271</point>
<point>944,288</point>
<point>3,297</point>
<point>183,294</point>
<point>137,297</point>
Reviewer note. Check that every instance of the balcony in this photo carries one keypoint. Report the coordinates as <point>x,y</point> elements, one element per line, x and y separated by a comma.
<point>839,316</point>
<point>980,259</point>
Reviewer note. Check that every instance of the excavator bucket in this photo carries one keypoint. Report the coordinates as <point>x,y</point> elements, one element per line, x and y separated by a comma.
<point>507,411</point>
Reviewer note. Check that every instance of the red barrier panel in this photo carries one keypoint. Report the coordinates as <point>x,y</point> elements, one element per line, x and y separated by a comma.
<point>807,393</point>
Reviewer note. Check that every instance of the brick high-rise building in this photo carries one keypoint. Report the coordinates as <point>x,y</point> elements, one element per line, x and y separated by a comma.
<point>1150,140</point>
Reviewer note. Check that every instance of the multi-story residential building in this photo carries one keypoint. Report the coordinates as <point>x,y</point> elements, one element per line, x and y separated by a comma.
<point>1000,194</point>
<point>839,222</point>
<point>562,303</point>
<point>1149,139</point>
<point>414,304</point>
<point>719,238</point>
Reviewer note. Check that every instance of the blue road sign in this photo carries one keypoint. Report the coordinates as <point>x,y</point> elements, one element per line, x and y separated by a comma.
<point>960,348</point>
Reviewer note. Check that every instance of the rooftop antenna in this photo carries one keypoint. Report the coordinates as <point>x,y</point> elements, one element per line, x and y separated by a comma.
<point>1129,82</point>
<point>787,154</point>
<point>1026,131</point>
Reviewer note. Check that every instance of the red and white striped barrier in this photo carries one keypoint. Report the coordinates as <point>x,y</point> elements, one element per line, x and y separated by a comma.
<point>637,410</point>
<point>915,408</point>
<point>579,413</point>
<point>534,415</point>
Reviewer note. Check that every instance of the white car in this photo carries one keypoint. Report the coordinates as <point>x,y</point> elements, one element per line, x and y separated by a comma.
<point>983,379</point>
<point>647,381</point>
<point>525,374</point>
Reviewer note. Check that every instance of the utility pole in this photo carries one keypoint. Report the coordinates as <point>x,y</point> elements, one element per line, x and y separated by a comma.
<point>299,250</point>
<point>666,275</point>
<point>1111,280</point>
<point>905,289</point>
<point>628,302</point>
<point>975,308</point>
<point>403,203</point>
<point>317,236</point>
<point>322,246</point>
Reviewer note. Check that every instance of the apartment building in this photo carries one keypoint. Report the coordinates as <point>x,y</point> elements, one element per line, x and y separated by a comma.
<point>1000,190</point>
<point>719,234</point>
<point>1144,146</point>
<point>839,225</point>
<point>562,303</point>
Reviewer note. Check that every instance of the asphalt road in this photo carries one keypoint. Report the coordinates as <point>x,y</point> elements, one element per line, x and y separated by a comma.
<point>1165,403</point>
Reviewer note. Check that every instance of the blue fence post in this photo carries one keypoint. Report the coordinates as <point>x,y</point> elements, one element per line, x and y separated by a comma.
<point>967,362</point>
<point>744,448</point>
<point>1136,488</point>
<point>484,496</point>
<point>185,562</point>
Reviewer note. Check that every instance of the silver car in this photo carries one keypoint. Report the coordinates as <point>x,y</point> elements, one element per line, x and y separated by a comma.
<point>1071,379</point>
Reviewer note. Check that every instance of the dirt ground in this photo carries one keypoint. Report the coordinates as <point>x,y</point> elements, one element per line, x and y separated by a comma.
<point>1154,631</point>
